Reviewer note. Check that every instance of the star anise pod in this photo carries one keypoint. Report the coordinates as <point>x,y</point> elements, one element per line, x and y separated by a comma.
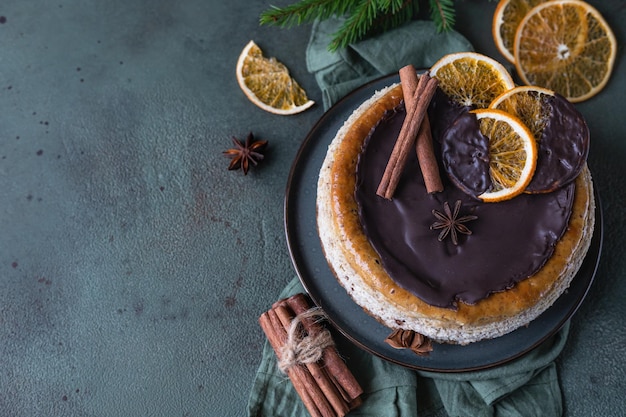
<point>450,223</point>
<point>409,339</point>
<point>245,153</point>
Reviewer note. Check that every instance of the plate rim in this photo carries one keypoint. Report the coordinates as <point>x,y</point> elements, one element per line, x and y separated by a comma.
<point>311,137</point>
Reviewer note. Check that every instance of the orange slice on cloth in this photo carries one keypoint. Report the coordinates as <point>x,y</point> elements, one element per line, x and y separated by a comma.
<point>267,83</point>
<point>565,46</point>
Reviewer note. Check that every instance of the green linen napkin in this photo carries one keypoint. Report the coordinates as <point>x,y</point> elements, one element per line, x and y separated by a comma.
<point>338,73</point>
<point>527,386</point>
<point>389,390</point>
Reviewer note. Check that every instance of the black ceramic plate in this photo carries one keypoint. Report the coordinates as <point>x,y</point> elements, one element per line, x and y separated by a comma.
<point>363,330</point>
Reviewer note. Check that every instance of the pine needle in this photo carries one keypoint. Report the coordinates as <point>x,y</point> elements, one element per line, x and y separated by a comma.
<point>371,17</point>
<point>443,14</point>
<point>363,17</point>
<point>356,26</point>
<point>304,11</point>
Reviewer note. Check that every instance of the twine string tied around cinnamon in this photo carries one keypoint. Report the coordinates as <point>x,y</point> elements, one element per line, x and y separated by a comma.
<point>302,348</point>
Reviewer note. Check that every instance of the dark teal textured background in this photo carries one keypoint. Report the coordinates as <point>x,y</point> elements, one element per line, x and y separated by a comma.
<point>133,265</point>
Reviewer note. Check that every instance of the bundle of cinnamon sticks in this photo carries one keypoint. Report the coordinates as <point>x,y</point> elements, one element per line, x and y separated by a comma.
<point>327,387</point>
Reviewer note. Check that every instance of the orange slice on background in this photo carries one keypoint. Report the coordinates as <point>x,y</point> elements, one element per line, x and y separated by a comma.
<point>560,131</point>
<point>268,84</point>
<point>565,46</point>
<point>506,19</point>
<point>489,154</point>
<point>471,79</point>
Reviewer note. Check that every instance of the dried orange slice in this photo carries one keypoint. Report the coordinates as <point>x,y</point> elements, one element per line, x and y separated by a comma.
<point>560,131</point>
<point>529,103</point>
<point>471,79</point>
<point>506,19</point>
<point>565,46</point>
<point>267,83</point>
<point>512,154</point>
<point>489,154</point>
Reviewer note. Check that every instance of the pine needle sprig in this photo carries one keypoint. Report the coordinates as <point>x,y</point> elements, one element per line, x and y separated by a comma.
<point>443,14</point>
<point>397,13</point>
<point>370,17</point>
<point>363,17</point>
<point>356,25</point>
<point>304,11</point>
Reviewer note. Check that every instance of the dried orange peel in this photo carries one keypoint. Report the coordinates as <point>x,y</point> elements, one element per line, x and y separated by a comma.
<point>506,20</point>
<point>559,129</point>
<point>565,46</point>
<point>268,84</point>
<point>512,154</point>
<point>471,79</point>
<point>489,154</point>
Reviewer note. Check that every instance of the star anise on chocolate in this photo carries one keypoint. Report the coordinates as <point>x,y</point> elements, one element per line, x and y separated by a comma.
<point>245,153</point>
<point>450,223</point>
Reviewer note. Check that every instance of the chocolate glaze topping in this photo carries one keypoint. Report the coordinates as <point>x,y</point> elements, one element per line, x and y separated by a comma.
<point>467,160</point>
<point>509,242</point>
<point>563,146</point>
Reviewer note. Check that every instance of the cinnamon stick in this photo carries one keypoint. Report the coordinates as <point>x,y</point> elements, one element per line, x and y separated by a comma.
<point>299,303</point>
<point>424,143</point>
<point>408,81</point>
<point>320,376</point>
<point>400,145</point>
<point>426,157</point>
<point>426,87</point>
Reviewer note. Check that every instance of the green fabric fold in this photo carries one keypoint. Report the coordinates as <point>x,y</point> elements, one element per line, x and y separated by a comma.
<point>337,73</point>
<point>527,386</point>
<point>389,390</point>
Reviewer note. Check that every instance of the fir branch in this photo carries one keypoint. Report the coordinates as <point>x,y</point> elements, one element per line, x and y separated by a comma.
<point>371,17</point>
<point>443,14</point>
<point>402,11</point>
<point>356,26</point>
<point>363,17</point>
<point>304,11</point>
